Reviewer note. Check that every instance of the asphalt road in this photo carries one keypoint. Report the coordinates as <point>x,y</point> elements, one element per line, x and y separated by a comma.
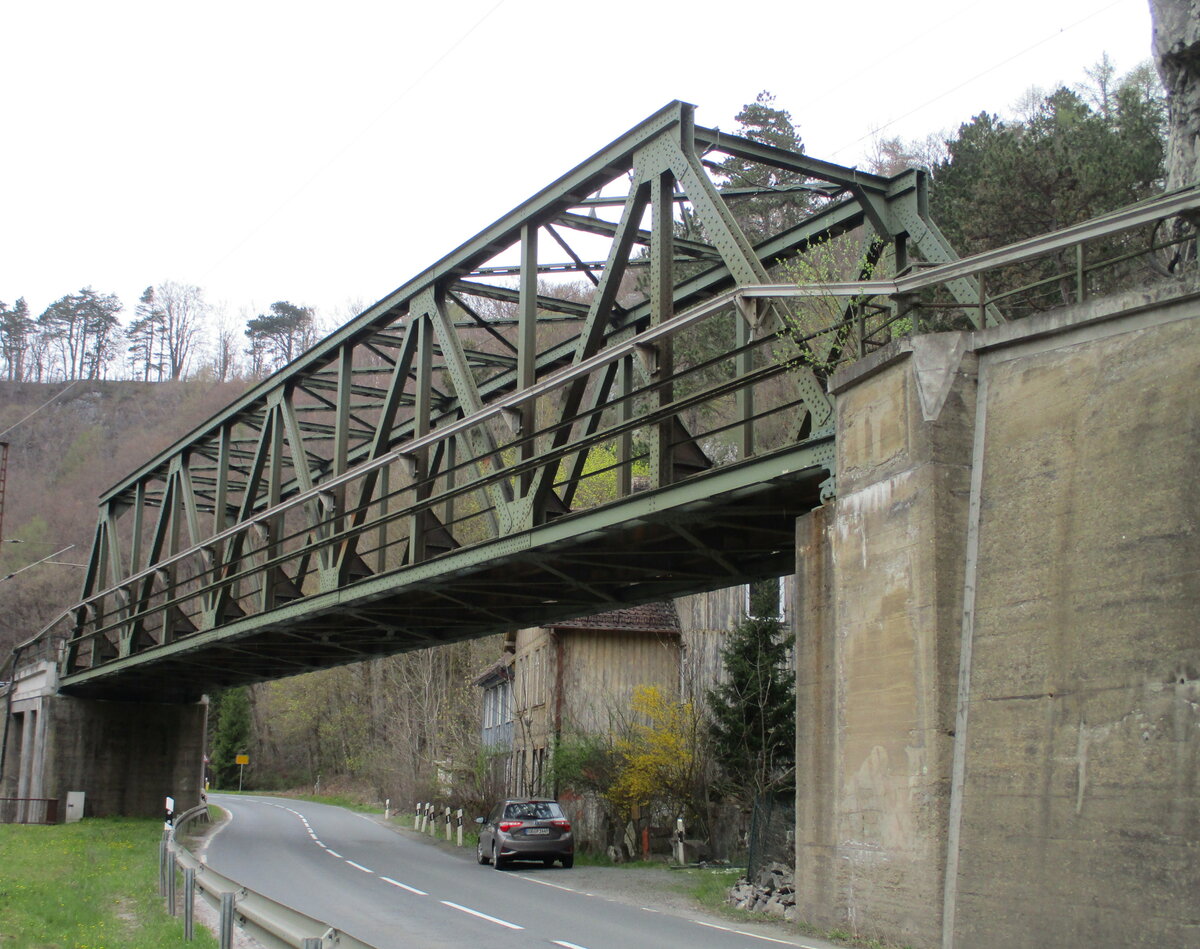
<point>396,892</point>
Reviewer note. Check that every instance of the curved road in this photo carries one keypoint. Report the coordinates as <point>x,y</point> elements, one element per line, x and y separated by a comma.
<point>395,892</point>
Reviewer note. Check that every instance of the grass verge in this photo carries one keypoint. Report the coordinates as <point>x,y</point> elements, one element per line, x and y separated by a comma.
<point>90,885</point>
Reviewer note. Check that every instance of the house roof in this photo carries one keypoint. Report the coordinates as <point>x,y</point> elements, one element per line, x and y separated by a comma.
<point>499,671</point>
<point>647,618</point>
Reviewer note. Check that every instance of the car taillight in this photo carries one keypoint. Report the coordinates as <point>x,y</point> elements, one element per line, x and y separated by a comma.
<point>561,824</point>
<point>507,825</point>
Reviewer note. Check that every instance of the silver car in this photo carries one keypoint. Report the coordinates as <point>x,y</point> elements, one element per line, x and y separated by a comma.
<point>525,829</point>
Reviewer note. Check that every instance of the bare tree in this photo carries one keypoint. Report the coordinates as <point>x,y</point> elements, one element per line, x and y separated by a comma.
<point>183,309</point>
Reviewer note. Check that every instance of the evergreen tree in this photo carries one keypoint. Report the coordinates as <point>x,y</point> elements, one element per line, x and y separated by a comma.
<point>277,337</point>
<point>1061,164</point>
<point>754,710</point>
<point>145,336</point>
<point>778,203</point>
<point>231,735</point>
<point>16,334</point>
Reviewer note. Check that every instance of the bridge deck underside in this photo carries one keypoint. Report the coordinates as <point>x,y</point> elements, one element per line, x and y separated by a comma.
<point>674,541</point>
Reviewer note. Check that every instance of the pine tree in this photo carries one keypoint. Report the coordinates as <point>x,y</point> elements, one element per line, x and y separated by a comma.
<point>231,735</point>
<point>779,204</point>
<point>754,710</point>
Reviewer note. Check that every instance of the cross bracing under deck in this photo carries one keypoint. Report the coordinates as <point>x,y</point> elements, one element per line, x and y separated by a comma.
<point>596,401</point>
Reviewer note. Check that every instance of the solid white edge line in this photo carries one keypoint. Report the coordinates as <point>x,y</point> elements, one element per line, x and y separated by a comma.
<point>359,866</point>
<point>742,932</point>
<point>475,912</point>
<point>404,886</point>
<point>557,886</point>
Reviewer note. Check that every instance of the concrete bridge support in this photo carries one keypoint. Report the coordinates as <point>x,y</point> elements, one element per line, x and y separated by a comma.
<point>998,652</point>
<point>126,757</point>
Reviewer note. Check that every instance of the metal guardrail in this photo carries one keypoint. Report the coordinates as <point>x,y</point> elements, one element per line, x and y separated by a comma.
<point>273,924</point>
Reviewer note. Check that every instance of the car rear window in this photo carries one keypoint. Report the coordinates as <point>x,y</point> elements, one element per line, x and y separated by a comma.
<point>533,810</point>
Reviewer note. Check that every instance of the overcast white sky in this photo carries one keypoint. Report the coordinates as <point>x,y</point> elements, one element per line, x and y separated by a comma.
<point>324,153</point>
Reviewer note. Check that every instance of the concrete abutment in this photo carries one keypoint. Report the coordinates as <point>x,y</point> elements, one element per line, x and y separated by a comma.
<point>998,638</point>
<point>127,757</point>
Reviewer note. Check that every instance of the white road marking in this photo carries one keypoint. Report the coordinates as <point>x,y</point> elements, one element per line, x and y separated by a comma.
<point>566,945</point>
<point>475,912</point>
<point>557,886</point>
<point>403,886</point>
<point>742,932</point>
<point>359,866</point>
<point>334,853</point>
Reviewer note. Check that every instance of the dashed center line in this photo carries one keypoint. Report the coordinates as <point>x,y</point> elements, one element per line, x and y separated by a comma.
<point>334,853</point>
<point>359,866</point>
<point>475,912</point>
<point>403,886</point>
<point>566,945</point>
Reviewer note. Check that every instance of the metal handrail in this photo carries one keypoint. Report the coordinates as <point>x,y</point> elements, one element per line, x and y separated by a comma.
<point>274,924</point>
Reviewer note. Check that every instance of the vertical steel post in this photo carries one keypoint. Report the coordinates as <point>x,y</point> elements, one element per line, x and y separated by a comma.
<point>162,863</point>
<point>226,933</point>
<point>527,352</point>
<point>982,300</point>
<point>189,903</point>
<point>747,317</point>
<point>172,909</point>
<point>625,442</point>
<point>662,308</point>
<point>1080,275</point>
<point>422,414</point>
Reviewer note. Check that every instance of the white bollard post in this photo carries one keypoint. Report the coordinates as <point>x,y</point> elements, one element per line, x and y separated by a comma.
<point>419,819</point>
<point>680,850</point>
<point>432,819</point>
<point>460,843</point>
<point>387,808</point>
<point>447,823</point>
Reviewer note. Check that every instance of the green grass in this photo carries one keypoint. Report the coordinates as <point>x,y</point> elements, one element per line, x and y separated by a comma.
<point>90,885</point>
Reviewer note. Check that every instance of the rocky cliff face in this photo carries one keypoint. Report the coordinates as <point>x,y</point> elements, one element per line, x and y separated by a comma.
<point>1177,56</point>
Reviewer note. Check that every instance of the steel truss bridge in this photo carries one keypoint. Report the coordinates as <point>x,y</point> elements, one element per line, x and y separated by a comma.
<point>612,395</point>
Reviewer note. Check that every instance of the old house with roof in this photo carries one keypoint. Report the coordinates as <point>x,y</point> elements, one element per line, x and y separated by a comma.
<point>578,677</point>
<point>572,676</point>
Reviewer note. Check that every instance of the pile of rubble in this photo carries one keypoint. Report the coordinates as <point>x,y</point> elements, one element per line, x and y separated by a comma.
<point>773,891</point>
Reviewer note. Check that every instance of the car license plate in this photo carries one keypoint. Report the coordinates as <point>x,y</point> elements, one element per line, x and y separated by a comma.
<point>533,831</point>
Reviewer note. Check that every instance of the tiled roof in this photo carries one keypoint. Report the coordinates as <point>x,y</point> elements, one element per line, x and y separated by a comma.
<point>648,618</point>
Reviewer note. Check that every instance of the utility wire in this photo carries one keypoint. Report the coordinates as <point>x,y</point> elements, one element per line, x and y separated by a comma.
<point>38,409</point>
<point>980,75</point>
<point>352,141</point>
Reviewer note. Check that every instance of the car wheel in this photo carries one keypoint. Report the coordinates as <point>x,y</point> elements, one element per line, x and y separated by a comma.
<point>496,857</point>
<point>479,854</point>
<point>568,862</point>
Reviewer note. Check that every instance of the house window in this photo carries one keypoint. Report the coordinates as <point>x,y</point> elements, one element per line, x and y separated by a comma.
<point>765,598</point>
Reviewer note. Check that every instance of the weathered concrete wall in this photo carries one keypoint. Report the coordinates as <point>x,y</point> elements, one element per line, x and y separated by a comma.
<point>126,756</point>
<point>1080,817</point>
<point>877,663</point>
<point>998,649</point>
